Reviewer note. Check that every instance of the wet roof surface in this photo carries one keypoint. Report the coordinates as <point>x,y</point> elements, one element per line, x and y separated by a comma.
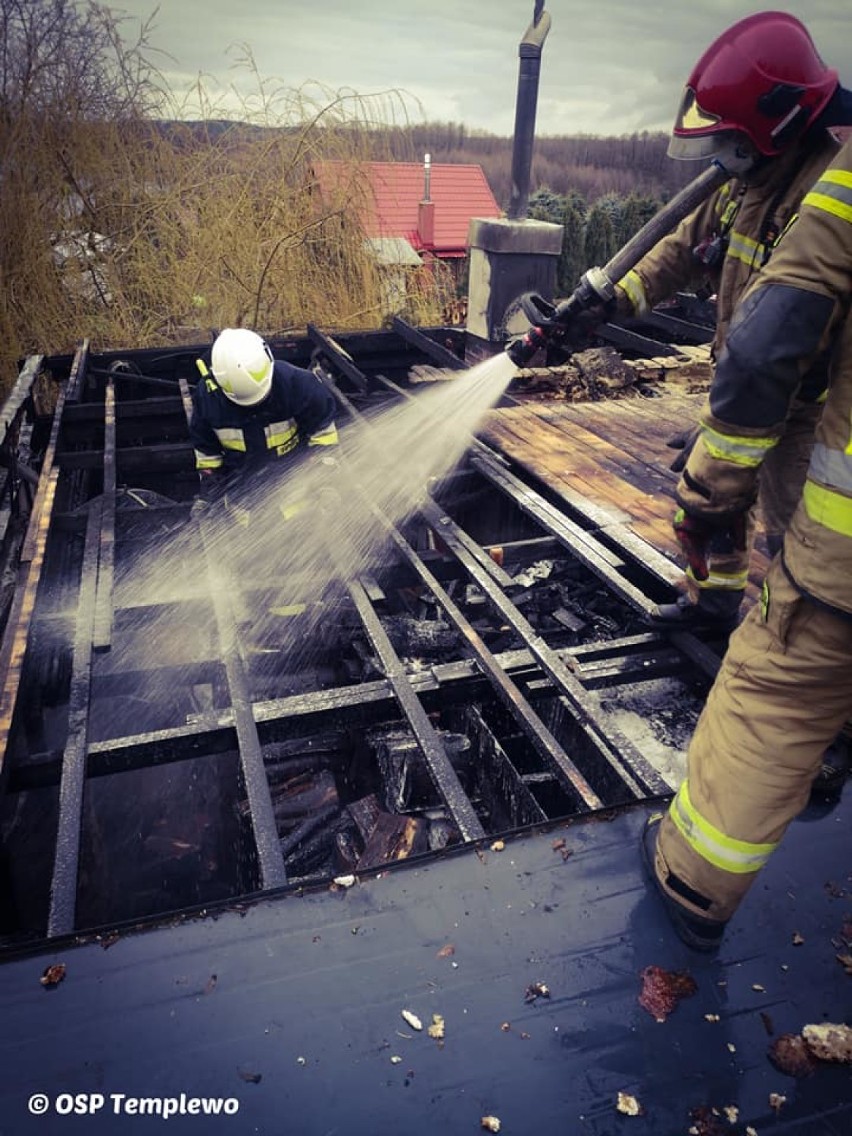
<point>293,1006</point>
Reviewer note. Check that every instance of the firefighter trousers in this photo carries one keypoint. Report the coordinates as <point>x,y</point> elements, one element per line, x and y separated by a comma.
<point>782,694</point>
<point>782,476</point>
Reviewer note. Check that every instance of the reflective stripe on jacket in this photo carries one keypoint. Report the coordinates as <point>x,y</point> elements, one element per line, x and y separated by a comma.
<point>298,411</point>
<point>797,312</point>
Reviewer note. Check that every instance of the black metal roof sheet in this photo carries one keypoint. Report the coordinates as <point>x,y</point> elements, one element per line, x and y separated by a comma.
<point>292,1006</point>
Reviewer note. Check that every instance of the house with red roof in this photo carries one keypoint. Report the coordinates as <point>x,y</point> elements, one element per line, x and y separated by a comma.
<point>412,213</point>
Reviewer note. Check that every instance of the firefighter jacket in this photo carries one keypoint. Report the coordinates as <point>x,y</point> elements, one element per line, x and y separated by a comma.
<point>793,320</point>
<point>729,237</point>
<point>298,412</point>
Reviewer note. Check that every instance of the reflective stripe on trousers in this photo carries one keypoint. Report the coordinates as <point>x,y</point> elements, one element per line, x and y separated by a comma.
<point>712,844</point>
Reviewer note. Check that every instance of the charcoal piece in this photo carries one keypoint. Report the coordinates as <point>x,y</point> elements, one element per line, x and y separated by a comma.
<point>304,795</point>
<point>393,838</point>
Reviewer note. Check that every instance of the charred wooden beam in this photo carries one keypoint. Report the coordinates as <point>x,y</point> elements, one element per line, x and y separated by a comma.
<point>393,838</point>
<point>440,356</point>
<point>628,340</point>
<point>337,357</point>
<point>455,538</point>
<point>579,542</point>
<point>607,741</point>
<point>102,634</point>
<point>16,633</point>
<point>264,829</point>
<point>132,459</point>
<point>30,565</point>
<point>63,887</point>
<point>19,394</point>
<point>542,739</point>
<point>84,414</point>
<point>435,755</point>
<point>133,377</point>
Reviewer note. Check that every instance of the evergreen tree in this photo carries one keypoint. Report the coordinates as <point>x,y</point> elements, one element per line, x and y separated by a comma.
<point>577,201</point>
<point>600,241</point>
<point>546,205</point>
<point>636,213</point>
<point>572,260</point>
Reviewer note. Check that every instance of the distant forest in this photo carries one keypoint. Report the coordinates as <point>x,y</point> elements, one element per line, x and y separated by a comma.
<point>581,165</point>
<point>584,165</point>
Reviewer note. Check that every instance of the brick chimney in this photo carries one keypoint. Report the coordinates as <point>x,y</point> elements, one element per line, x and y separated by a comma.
<point>426,208</point>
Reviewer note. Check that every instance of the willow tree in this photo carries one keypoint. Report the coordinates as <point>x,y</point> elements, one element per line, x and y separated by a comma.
<point>132,218</point>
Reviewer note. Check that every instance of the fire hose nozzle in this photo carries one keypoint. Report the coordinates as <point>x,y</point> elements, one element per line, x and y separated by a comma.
<point>522,350</point>
<point>595,292</point>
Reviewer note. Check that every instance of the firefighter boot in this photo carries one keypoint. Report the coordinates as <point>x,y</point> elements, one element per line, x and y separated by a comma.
<point>698,932</point>
<point>717,610</point>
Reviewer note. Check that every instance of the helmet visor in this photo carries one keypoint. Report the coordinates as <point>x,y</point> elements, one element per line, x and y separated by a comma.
<point>694,132</point>
<point>692,118</point>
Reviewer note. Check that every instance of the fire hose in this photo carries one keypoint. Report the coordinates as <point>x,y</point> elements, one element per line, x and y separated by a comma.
<point>597,286</point>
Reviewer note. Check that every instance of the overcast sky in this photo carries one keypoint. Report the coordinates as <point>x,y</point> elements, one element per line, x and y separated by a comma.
<point>608,66</point>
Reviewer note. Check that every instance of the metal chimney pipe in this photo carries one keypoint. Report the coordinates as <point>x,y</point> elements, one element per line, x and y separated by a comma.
<point>427,176</point>
<point>529,52</point>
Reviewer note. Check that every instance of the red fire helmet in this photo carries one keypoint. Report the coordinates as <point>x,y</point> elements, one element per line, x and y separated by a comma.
<point>763,77</point>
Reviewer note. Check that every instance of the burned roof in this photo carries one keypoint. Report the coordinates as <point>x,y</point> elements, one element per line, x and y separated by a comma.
<point>295,799</point>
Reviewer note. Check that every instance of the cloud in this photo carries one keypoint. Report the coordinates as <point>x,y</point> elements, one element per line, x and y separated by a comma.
<point>610,67</point>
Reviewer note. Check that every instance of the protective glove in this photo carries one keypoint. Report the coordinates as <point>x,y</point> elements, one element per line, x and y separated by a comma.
<point>685,441</point>
<point>696,535</point>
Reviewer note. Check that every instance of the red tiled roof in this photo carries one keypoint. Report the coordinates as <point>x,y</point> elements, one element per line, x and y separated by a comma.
<point>395,190</point>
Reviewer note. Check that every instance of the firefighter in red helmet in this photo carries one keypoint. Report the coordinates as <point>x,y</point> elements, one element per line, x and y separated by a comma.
<point>784,688</point>
<point>761,102</point>
<point>757,88</point>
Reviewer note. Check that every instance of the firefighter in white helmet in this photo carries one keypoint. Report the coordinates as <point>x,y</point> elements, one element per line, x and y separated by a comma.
<point>784,689</point>
<point>760,100</point>
<point>250,410</point>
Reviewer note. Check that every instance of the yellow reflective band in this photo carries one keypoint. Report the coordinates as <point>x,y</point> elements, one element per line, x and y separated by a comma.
<point>231,439</point>
<point>205,461</point>
<point>281,434</point>
<point>736,856</point>
<point>837,177</point>
<point>764,602</point>
<point>833,194</point>
<point>748,452</point>
<point>202,368</point>
<point>288,609</point>
<point>786,229</point>
<point>635,290</point>
<point>326,437</point>
<point>282,438</point>
<point>828,508</point>
<point>730,581</point>
<point>744,248</point>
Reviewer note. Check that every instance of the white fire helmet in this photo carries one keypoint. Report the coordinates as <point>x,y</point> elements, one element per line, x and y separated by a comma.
<point>241,363</point>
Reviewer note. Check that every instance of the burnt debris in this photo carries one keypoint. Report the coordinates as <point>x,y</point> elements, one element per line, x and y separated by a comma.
<point>182,728</point>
